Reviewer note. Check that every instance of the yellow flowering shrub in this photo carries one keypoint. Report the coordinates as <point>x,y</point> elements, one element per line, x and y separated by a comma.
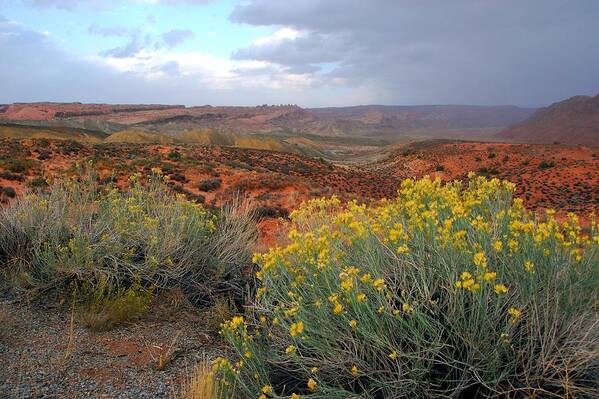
<point>449,290</point>
<point>86,232</point>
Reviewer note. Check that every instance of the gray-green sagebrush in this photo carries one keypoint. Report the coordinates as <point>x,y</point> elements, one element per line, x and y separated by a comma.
<point>430,295</point>
<point>78,230</point>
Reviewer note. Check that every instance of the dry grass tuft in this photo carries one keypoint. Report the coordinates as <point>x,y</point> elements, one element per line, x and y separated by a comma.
<point>221,311</point>
<point>101,308</point>
<point>201,384</point>
<point>70,346</point>
<point>167,354</point>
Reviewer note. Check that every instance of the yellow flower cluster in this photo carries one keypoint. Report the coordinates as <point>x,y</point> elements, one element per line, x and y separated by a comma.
<point>296,328</point>
<point>473,283</point>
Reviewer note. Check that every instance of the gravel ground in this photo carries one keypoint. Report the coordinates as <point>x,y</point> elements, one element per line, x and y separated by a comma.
<point>37,360</point>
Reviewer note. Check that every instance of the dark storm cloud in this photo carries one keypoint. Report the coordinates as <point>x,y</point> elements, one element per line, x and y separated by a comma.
<point>460,51</point>
<point>176,36</point>
<point>296,52</point>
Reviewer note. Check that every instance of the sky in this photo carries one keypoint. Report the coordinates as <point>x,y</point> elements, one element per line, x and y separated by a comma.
<point>307,52</point>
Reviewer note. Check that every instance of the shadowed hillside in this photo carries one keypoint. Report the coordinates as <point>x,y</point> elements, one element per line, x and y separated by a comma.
<point>572,121</point>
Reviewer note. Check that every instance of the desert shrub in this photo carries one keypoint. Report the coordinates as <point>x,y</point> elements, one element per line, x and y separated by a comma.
<point>44,155</point>
<point>222,310</point>
<point>79,231</point>
<point>9,192</point>
<point>108,179</point>
<point>230,253</point>
<point>268,196</point>
<point>37,183</point>
<point>44,143</point>
<point>18,165</point>
<point>272,212</point>
<point>11,176</point>
<point>546,165</point>
<point>167,168</point>
<point>197,198</point>
<point>179,177</point>
<point>446,291</point>
<point>68,147</point>
<point>209,185</point>
<point>101,306</point>
<point>190,196</point>
<point>174,155</point>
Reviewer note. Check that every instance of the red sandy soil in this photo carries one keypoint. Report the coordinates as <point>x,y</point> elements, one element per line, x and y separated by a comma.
<point>278,182</point>
<point>570,185</point>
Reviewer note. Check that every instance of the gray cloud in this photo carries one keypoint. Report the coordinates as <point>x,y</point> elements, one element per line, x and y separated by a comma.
<point>134,46</point>
<point>33,68</point>
<point>463,51</point>
<point>175,37</point>
<point>197,2</point>
<point>301,51</point>
<point>170,68</point>
<point>303,69</point>
<point>350,52</point>
<point>72,4</point>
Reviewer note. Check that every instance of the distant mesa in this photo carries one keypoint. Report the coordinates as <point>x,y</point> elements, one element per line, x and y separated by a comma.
<point>572,121</point>
<point>370,120</point>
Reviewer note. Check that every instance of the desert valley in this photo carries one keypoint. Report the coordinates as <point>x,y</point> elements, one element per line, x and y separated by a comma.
<point>316,199</point>
<point>283,155</point>
<point>277,157</point>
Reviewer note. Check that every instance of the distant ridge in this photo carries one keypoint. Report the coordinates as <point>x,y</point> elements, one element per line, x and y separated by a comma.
<point>402,118</point>
<point>380,122</point>
<point>572,121</point>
